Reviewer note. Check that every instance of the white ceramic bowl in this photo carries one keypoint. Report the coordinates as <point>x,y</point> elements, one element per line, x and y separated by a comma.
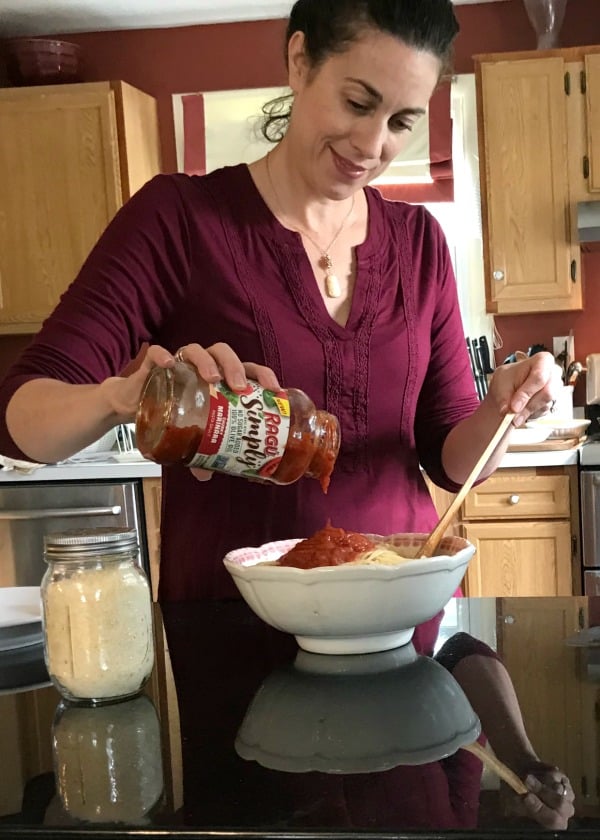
<point>103,444</point>
<point>350,608</point>
<point>561,428</point>
<point>362,714</point>
<point>527,435</point>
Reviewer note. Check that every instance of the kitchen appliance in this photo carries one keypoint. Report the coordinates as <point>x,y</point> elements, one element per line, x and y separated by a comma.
<point>588,221</point>
<point>30,510</point>
<point>590,528</point>
<point>592,394</point>
<point>589,480</point>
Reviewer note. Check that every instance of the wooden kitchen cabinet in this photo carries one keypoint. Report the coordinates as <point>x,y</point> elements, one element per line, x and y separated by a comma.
<point>584,134</point>
<point>589,86</point>
<point>524,524</point>
<point>519,560</point>
<point>531,252</point>
<point>548,680</point>
<point>70,156</point>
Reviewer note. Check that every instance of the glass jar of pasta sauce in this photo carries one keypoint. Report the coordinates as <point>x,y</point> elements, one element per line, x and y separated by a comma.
<point>277,436</point>
<point>96,615</point>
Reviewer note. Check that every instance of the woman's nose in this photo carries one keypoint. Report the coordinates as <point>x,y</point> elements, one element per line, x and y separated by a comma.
<point>369,138</point>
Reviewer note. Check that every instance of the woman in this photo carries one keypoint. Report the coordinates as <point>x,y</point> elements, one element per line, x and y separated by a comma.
<point>294,264</point>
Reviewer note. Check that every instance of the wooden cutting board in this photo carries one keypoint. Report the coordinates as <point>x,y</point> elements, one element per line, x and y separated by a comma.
<point>553,445</point>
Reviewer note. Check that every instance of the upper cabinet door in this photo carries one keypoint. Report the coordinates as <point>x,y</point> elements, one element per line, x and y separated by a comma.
<point>59,167</point>
<point>530,262</point>
<point>592,99</point>
<point>69,157</point>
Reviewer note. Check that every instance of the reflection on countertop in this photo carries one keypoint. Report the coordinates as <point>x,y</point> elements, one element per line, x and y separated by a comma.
<point>259,739</point>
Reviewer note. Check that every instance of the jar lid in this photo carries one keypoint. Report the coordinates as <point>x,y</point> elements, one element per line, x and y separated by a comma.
<point>81,542</point>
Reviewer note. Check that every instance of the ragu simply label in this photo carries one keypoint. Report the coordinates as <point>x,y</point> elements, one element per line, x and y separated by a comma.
<point>245,433</point>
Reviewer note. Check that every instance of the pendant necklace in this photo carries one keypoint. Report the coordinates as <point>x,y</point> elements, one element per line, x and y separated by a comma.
<point>333,288</point>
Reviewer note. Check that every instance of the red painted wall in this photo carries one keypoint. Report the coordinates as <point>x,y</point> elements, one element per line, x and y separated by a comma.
<point>222,56</point>
<point>237,55</point>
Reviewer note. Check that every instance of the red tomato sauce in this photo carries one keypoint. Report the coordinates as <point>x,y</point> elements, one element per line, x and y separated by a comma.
<point>298,452</point>
<point>328,547</point>
<point>176,444</point>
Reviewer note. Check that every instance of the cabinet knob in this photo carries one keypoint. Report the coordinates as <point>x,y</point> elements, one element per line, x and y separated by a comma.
<point>509,619</point>
<point>498,275</point>
<point>514,499</point>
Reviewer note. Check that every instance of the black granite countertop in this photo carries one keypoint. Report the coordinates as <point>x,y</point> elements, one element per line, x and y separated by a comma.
<point>241,734</point>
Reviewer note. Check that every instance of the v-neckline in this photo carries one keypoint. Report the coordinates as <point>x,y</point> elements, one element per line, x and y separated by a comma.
<point>284,238</point>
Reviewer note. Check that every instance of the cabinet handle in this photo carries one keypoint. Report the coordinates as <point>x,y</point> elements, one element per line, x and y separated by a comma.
<point>498,275</point>
<point>586,167</point>
<point>574,270</point>
<point>514,499</point>
<point>53,513</point>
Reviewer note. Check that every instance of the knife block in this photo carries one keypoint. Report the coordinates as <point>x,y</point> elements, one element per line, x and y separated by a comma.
<point>564,403</point>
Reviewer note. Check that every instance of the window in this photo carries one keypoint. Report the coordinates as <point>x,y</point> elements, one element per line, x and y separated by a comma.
<point>225,131</point>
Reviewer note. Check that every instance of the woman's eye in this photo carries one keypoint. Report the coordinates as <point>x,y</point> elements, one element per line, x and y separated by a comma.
<point>400,125</point>
<point>358,106</point>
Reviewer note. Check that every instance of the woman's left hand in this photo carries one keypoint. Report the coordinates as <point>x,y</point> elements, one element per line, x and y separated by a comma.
<point>550,798</point>
<point>528,388</point>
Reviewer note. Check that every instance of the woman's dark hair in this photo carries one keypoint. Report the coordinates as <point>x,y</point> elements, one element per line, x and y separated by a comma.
<point>330,26</point>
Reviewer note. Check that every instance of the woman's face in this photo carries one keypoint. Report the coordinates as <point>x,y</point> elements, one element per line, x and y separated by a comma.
<point>351,116</point>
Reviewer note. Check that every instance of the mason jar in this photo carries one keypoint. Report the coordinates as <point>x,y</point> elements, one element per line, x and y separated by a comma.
<point>108,760</point>
<point>96,615</point>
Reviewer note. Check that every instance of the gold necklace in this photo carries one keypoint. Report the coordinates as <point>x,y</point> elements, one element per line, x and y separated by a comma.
<point>333,288</point>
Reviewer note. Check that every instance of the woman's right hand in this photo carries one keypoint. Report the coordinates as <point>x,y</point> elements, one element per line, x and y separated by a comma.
<point>124,392</point>
<point>550,798</point>
<point>219,361</point>
<point>213,363</point>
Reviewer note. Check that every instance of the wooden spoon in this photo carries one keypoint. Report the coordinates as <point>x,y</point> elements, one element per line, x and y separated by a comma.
<point>431,543</point>
<point>498,767</point>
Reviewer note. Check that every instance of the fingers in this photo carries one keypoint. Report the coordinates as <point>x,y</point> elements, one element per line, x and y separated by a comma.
<point>157,355</point>
<point>206,475</point>
<point>528,387</point>
<point>263,375</point>
<point>123,392</point>
<point>219,361</point>
<point>201,475</point>
<point>550,801</point>
<point>215,363</point>
<point>539,388</point>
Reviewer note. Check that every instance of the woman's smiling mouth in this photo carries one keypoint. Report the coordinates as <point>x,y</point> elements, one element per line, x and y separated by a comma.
<point>346,167</point>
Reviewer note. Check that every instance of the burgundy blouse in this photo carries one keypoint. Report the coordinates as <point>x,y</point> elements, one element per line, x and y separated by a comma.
<point>202,259</point>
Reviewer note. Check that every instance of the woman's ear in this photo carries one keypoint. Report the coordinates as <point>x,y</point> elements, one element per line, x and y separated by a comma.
<point>297,62</point>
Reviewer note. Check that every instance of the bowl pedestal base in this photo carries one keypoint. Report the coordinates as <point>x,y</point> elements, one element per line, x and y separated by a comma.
<point>356,644</point>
